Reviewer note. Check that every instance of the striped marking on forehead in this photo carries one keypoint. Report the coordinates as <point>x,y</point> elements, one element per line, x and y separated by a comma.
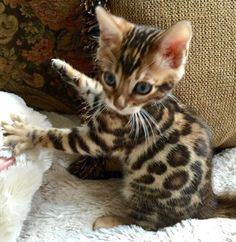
<point>136,44</point>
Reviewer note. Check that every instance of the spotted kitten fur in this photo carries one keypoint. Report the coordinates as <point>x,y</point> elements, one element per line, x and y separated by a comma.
<point>165,150</point>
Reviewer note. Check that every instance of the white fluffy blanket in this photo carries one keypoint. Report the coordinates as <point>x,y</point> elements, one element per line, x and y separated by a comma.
<point>63,208</point>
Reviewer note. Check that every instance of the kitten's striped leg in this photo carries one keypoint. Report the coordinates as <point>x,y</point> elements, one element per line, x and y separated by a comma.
<point>89,88</point>
<point>76,140</point>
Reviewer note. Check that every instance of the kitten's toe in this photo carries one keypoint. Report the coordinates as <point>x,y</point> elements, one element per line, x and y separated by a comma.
<point>2,124</point>
<point>58,64</point>
<point>109,222</point>
<point>19,148</point>
<point>16,118</point>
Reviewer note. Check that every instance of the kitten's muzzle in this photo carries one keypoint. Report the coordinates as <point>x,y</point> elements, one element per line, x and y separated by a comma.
<point>120,103</point>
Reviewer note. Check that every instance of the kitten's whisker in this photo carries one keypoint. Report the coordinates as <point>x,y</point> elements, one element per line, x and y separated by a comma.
<point>133,127</point>
<point>147,120</point>
<point>97,103</point>
<point>161,103</point>
<point>99,111</point>
<point>175,99</point>
<point>152,119</point>
<point>95,110</point>
<point>96,106</point>
<point>106,107</point>
<point>145,130</point>
<point>130,123</point>
<point>136,125</point>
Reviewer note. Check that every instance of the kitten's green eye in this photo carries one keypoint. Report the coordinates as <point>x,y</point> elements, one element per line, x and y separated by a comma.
<point>109,78</point>
<point>142,88</point>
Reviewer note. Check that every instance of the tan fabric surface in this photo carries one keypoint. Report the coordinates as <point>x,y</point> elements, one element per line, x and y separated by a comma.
<point>210,83</point>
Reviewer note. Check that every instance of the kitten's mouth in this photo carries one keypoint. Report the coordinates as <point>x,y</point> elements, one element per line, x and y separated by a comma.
<point>125,111</point>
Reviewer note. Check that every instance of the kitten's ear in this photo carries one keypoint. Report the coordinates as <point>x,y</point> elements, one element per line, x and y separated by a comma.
<point>111,27</point>
<point>175,43</point>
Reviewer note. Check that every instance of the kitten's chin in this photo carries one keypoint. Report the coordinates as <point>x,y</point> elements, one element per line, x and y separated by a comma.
<point>125,111</point>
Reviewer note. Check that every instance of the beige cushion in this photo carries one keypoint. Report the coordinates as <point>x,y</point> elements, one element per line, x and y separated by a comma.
<point>210,83</point>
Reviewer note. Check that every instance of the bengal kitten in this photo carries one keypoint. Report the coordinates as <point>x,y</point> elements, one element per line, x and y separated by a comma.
<point>165,149</point>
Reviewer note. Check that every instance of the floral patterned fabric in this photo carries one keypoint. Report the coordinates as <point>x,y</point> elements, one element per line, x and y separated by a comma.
<point>33,32</point>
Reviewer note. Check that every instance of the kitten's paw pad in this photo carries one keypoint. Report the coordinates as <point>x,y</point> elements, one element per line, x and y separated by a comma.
<point>107,222</point>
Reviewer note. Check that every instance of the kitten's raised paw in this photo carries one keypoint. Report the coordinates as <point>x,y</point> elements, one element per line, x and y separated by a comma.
<point>16,134</point>
<point>57,64</point>
<point>65,70</point>
<point>109,222</point>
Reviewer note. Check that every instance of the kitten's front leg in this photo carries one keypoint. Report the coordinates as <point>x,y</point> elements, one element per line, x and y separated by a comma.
<point>25,136</point>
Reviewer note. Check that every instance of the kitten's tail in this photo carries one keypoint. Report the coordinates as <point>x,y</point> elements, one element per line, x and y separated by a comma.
<point>226,206</point>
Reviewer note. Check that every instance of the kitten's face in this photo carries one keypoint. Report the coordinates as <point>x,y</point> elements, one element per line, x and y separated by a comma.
<point>139,64</point>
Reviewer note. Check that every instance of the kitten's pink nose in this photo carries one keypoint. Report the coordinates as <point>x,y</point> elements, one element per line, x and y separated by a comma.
<point>120,102</point>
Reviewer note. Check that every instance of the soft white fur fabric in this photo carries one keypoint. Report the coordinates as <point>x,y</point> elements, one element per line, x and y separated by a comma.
<point>64,207</point>
<point>19,183</point>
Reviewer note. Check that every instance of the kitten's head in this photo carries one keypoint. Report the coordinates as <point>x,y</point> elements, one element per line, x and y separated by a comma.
<point>139,64</point>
